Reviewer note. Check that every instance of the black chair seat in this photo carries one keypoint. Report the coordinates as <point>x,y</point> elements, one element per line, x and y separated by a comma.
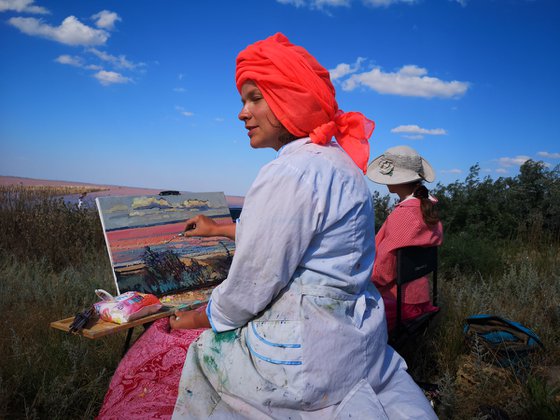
<point>411,328</point>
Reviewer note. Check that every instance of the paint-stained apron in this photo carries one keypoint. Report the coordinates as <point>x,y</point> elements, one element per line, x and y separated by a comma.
<point>316,352</point>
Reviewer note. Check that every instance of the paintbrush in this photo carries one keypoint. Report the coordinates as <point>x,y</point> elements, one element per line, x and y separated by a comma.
<point>181,234</point>
<point>174,237</point>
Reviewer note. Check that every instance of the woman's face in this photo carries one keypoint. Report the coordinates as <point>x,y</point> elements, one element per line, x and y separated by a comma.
<point>263,128</point>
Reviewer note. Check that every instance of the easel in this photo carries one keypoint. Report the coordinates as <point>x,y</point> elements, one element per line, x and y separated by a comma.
<point>184,301</point>
<point>98,328</point>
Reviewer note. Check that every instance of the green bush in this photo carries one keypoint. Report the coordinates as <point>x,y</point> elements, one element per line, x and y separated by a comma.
<point>467,253</point>
<point>524,208</point>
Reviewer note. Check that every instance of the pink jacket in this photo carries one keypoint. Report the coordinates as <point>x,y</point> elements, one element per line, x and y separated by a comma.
<point>403,227</point>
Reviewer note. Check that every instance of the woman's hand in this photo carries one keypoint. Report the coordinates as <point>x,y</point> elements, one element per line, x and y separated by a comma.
<point>189,320</point>
<point>201,225</point>
<point>204,226</point>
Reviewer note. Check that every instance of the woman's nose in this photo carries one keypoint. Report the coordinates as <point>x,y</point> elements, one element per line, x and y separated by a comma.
<point>244,114</point>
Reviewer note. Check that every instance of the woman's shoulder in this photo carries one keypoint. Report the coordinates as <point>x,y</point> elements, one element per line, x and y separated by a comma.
<point>327,163</point>
<point>407,205</point>
<point>413,202</point>
<point>406,213</point>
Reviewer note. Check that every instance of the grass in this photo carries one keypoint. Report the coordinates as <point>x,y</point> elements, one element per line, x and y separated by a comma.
<point>527,290</point>
<point>52,257</point>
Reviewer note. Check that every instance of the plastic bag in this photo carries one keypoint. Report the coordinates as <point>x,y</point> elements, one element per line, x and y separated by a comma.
<point>125,307</point>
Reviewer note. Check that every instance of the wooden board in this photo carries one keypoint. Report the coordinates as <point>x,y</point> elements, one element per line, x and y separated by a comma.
<point>102,328</point>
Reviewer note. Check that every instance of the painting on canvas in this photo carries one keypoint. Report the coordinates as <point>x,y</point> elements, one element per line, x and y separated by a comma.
<point>147,255</point>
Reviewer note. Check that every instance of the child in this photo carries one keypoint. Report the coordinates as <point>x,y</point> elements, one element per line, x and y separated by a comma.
<point>413,222</point>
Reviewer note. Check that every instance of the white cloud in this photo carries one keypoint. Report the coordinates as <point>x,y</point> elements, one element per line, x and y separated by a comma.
<point>413,136</point>
<point>296,3</point>
<point>70,60</point>
<point>219,119</point>
<point>410,80</point>
<point>513,161</point>
<point>330,3</point>
<point>106,19</point>
<point>179,89</point>
<point>549,155</point>
<point>22,6</point>
<point>76,61</point>
<point>107,78</point>
<point>462,2</point>
<point>501,171</point>
<point>321,4</point>
<point>182,111</point>
<point>120,61</point>
<point>316,4</point>
<point>451,171</point>
<point>344,69</point>
<point>386,3</point>
<point>414,129</point>
<point>70,32</point>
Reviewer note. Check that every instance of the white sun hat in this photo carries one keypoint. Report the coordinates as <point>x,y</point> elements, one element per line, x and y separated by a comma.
<point>400,165</point>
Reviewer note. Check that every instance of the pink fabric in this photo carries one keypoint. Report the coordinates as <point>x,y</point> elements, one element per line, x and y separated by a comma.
<point>403,227</point>
<point>146,382</point>
<point>299,92</point>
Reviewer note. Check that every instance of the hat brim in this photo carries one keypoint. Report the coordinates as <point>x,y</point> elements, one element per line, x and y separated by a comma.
<point>398,175</point>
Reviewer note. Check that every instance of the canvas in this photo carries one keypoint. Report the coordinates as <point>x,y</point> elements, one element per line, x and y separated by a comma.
<point>147,255</point>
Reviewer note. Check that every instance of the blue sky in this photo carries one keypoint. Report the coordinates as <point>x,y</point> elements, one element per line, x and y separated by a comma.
<point>141,93</point>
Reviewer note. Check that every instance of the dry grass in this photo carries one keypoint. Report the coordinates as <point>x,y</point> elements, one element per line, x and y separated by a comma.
<point>44,372</point>
<point>52,257</point>
<point>37,223</point>
<point>527,292</point>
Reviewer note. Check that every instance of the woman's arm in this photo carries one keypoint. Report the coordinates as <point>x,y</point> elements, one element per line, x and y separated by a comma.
<point>189,320</point>
<point>279,221</point>
<point>204,226</point>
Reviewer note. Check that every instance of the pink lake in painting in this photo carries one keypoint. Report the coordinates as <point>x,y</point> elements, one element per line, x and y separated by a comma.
<point>147,256</point>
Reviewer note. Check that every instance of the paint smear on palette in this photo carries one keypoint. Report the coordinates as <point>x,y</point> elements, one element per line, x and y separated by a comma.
<point>146,256</point>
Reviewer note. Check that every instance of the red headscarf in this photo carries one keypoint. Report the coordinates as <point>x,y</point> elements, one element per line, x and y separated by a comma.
<point>299,92</point>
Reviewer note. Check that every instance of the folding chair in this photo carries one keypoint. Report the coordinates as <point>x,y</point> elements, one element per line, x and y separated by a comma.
<point>412,263</point>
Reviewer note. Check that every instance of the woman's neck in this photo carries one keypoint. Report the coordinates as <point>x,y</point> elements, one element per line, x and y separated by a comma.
<point>402,190</point>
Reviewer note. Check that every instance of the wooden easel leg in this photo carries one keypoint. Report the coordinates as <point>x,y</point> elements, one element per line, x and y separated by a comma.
<point>127,341</point>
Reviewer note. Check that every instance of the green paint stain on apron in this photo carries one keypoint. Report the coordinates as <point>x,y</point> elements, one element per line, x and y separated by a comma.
<point>225,337</point>
<point>210,362</point>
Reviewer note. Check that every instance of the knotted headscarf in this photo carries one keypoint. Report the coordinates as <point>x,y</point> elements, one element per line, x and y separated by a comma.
<point>299,92</point>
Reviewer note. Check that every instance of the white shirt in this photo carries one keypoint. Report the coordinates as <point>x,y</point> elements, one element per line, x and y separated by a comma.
<point>308,210</point>
<point>306,330</point>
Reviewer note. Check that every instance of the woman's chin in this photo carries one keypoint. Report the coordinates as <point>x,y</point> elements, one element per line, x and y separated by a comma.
<point>256,144</point>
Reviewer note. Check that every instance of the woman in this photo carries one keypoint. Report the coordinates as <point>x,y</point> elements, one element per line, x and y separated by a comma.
<point>413,222</point>
<point>298,330</point>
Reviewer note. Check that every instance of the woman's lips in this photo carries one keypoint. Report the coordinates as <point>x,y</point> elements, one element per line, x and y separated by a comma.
<point>251,131</point>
